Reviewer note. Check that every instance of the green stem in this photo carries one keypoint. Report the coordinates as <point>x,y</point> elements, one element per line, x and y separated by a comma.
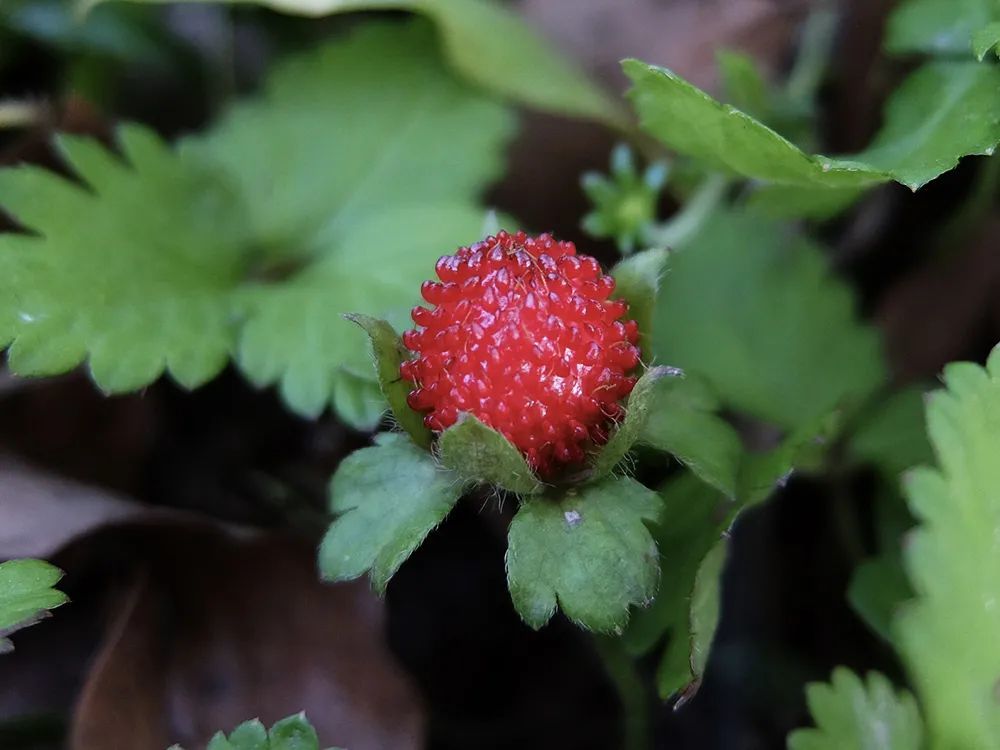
<point>620,668</point>
<point>687,222</point>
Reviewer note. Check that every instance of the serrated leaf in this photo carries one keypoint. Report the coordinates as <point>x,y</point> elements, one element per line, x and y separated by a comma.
<point>480,454</point>
<point>130,273</point>
<point>944,111</point>
<point>756,312</point>
<point>587,551</point>
<point>291,733</point>
<point>26,595</point>
<point>637,279</point>
<point>940,27</point>
<point>986,39</point>
<point>389,354</point>
<point>855,715</point>
<point>388,498</point>
<point>637,413</point>
<point>256,237</point>
<point>948,634</point>
<point>487,44</point>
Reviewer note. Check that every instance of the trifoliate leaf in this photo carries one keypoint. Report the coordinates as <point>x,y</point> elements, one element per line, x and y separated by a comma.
<point>587,551</point>
<point>292,733</point>
<point>487,44</point>
<point>388,499</point>
<point>258,236</point>
<point>480,454</point>
<point>637,279</point>
<point>855,715</point>
<point>637,413</point>
<point>944,111</point>
<point>948,634</point>
<point>937,27</point>
<point>986,39</point>
<point>133,271</point>
<point>26,595</point>
<point>389,354</point>
<point>757,313</point>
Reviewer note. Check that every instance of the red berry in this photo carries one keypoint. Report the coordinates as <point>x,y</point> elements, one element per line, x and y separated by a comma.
<point>522,334</point>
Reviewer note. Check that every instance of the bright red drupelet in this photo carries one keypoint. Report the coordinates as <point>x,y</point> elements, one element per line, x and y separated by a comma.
<point>523,336</point>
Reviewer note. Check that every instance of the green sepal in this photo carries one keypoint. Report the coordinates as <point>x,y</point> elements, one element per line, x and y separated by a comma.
<point>637,412</point>
<point>637,279</point>
<point>26,596</point>
<point>587,551</point>
<point>482,455</point>
<point>291,733</point>
<point>389,353</point>
<point>388,498</point>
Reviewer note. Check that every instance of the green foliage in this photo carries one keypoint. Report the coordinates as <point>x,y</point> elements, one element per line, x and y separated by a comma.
<point>480,454</point>
<point>291,733</point>
<point>948,634</point>
<point>891,436</point>
<point>939,27</point>
<point>624,202</point>
<point>488,45</point>
<point>257,236</point>
<point>705,604</point>
<point>637,280</point>
<point>26,596</point>
<point>944,111</point>
<point>855,715</point>
<point>389,354</point>
<point>986,39</point>
<point>637,412</point>
<point>388,498</point>
<point>587,551</point>
<point>756,312</point>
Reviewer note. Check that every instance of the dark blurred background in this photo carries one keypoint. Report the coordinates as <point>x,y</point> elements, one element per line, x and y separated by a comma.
<point>186,522</point>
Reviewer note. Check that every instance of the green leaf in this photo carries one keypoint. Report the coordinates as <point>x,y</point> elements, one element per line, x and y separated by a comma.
<point>389,354</point>
<point>986,39</point>
<point>939,27</point>
<point>128,272</point>
<point>944,111</point>
<point>202,255</point>
<point>487,44</point>
<point>480,454</point>
<point>891,436</point>
<point>26,595</point>
<point>802,202</point>
<point>855,715</point>
<point>588,551</point>
<point>291,733</point>
<point>742,82</point>
<point>637,412</point>
<point>637,279</point>
<point>757,313</point>
<point>948,634</point>
<point>705,604</point>
<point>388,498</point>
<point>878,590</point>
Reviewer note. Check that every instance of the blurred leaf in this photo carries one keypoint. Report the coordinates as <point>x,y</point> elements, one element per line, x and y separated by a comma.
<point>800,201</point>
<point>947,635</point>
<point>26,595</point>
<point>943,112</point>
<point>480,454</point>
<point>986,39</point>
<point>878,590</point>
<point>388,499</point>
<point>705,604</point>
<point>637,279</point>
<point>637,412</point>
<point>742,83</point>
<point>757,313</point>
<point>854,715</point>
<point>892,436</point>
<point>131,273</point>
<point>939,27</point>
<point>389,353</point>
<point>291,733</point>
<point>487,44</point>
<point>314,200</point>
<point>588,551</point>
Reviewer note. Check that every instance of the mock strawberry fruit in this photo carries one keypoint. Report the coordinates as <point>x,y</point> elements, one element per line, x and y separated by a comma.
<point>522,334</point>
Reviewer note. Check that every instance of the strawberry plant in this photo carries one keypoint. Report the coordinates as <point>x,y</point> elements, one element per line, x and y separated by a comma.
<point>339,233</point>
